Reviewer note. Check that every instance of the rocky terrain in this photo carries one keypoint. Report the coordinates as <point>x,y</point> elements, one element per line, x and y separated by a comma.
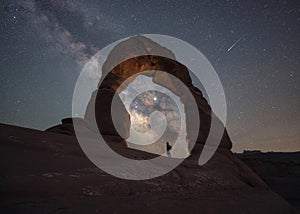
<point>280,170</point>
<point>47,172</point>
<point>44,172</point>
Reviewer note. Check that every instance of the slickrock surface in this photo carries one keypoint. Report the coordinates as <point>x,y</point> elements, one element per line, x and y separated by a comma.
<point>44,172</point>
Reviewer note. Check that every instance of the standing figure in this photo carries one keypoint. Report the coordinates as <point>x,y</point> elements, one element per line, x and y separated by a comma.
<point>169,147</point>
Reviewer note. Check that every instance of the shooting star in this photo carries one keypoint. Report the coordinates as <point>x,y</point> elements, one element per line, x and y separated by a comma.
<point>235,43</point>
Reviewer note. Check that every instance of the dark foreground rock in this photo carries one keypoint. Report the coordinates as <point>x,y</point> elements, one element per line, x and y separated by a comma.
<point>44,172</point>
<point>280,170</point>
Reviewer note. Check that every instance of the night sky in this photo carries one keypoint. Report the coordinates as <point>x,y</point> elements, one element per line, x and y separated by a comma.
<point>253,45</point>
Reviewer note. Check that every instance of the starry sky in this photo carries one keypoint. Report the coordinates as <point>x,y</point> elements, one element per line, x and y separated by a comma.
<point>253,46</point>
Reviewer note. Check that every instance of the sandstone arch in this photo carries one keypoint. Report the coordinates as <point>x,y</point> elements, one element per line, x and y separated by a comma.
<point>114,75</point>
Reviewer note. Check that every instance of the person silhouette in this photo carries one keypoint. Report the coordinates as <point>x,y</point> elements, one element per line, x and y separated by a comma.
<point>169,147</point>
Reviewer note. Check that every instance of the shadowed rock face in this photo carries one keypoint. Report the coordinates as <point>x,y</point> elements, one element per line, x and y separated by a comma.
<point>115,79</point>
<point>48,172</point>
<point>101,118</point>
<point>66,127</point>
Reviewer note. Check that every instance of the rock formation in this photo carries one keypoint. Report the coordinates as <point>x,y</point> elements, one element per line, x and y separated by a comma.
<point>223,185</point>
<point>115,76</point>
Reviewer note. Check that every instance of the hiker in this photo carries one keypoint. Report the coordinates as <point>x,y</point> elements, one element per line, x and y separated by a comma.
<point>169,147</point>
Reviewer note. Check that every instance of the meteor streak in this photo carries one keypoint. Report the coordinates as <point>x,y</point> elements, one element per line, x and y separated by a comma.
<point>235,43</point>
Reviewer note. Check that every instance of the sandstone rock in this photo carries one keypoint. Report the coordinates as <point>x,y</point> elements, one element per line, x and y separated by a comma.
<point>47,171</point>
<point>102,100</point>
<point>66,127</point>
<point>114,77</point>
